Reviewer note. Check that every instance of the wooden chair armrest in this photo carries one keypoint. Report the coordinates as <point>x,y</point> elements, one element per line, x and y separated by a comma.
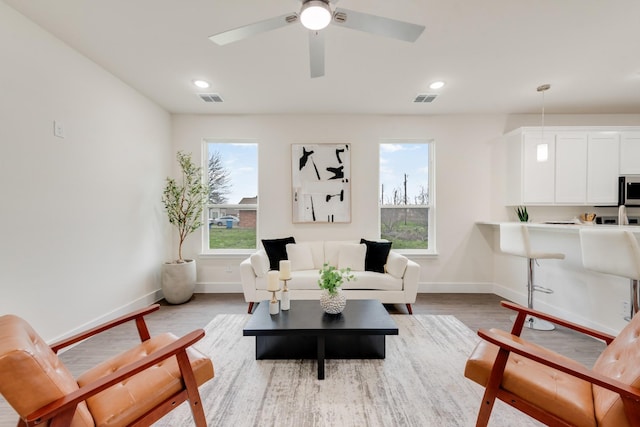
<point>577,370</point>
<point>524,311</point>
<point>137,315</point>
<point>70,401</point>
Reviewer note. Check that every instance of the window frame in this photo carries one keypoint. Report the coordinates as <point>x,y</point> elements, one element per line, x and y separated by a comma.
<point>431,250</point>
<point>205,238</point>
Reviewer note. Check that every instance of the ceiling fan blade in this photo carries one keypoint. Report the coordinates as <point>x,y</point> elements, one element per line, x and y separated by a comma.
<point>377,25</point>
<point>316,53</point>
<point>247,31</point>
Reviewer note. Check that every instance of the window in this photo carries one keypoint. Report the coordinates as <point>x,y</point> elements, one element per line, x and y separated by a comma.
<point>232,171</point>
<point>407,195</point>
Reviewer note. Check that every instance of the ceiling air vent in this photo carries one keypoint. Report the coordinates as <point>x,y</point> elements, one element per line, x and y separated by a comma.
<point>210,97</point>
<point>425,98</point>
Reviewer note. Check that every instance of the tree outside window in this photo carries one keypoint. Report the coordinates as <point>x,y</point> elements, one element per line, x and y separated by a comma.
<point>232,168</point>
<point>406,202</point>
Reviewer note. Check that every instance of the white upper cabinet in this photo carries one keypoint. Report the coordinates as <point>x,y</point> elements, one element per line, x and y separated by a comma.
<point>602,177</point>
<point>569,165</point>
<point>539,170</point>
<point>571,168</point>
<point>630,153</point>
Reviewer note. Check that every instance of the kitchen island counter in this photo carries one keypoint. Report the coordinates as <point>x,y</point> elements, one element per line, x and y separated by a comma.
<point>563,226</point>
<point>592,299</point>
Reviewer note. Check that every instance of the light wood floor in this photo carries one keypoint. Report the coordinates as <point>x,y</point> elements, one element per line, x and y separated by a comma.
<point>474,310</point>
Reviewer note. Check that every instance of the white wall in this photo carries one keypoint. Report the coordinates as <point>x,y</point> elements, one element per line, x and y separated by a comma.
<point>82,232</point>
<point>463,156</point>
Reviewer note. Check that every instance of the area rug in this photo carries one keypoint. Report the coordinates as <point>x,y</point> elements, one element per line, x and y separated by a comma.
<point>420,383</point>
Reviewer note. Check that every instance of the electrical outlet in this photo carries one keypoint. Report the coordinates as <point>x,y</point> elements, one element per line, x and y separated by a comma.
<point>625,309</point>
<point>58,129</point>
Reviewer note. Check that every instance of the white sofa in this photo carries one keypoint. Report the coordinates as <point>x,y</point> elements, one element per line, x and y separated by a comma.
<point>398,284</point>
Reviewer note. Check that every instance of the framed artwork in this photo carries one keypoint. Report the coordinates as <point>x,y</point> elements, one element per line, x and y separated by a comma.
<point>321,182</point>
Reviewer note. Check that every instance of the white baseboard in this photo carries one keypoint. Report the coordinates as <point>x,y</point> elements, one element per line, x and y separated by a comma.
<point>139,303</point>
<point>455,288</point>
<point>218,288</point>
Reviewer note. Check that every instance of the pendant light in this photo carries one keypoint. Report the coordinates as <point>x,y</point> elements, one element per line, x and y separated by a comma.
<point>542,150</point>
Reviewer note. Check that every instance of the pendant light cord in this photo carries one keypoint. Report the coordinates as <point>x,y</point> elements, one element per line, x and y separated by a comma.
<point>543,89</point>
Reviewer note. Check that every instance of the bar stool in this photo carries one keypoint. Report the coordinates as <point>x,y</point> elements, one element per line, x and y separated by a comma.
<point>514,240</point>
<point>613,251</point>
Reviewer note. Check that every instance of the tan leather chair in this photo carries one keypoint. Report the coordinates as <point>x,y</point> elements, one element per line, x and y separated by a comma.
<point>137,387</point>
<point>554,389</point>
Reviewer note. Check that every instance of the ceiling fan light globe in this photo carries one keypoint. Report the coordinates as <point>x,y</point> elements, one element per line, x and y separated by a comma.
<point>315,14</point>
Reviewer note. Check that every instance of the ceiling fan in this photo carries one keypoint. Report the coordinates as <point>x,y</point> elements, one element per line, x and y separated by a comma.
<point>318,14</point>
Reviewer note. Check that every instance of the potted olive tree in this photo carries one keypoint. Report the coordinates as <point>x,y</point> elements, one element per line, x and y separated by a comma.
<point>184,202</point>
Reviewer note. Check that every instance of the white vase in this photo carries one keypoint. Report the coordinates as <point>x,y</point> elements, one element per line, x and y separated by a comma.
<point>179,281</point>
<point>333,304</point>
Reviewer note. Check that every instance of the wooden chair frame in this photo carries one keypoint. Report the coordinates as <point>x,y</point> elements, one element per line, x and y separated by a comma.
<point>61,411</point>
<point>630,395</point>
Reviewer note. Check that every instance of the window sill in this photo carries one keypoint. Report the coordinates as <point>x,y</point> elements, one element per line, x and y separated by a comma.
<point>416,253</point>
<point>227,253</point>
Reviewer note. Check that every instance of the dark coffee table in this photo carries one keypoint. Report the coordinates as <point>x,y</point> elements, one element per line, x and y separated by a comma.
<point>307,332</point>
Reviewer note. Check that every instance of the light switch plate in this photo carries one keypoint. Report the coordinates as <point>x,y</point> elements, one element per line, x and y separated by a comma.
<point>58,129</point>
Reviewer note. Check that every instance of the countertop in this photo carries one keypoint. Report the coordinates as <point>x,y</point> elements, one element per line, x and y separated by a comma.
<point>565,227</point>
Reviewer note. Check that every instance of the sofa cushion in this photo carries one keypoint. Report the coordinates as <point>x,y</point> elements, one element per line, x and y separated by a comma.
<point>305,280</point>
<point>377,253</point>
<point>370,280</point>
<point>276,250</point>
<point>317,252</point>
<point>352,256</point>
<point>396,264</point>
<point>300,256</point>
<point>332,250</point>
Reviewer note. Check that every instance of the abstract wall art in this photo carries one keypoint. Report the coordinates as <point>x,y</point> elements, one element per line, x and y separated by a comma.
<point>321,181</point>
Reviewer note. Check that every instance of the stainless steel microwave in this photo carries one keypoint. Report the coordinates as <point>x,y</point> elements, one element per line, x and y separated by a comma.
<point>629,190</point>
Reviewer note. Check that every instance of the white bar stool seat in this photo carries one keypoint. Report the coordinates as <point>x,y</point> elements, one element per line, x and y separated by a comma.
<point>514,240</point>
<point>616,252</point>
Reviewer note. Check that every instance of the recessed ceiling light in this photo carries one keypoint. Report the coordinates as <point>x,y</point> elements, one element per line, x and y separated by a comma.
<point>201,84</point>
<point>436,85</point>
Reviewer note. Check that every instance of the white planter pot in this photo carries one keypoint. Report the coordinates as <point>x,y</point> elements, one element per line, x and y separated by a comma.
<point>333,304</point>
<point>179,281</point>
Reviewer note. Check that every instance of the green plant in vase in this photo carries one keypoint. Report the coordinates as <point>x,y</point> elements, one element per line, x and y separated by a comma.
<point>522,213</point>
<point>331,278</point>
<point>332,299</point>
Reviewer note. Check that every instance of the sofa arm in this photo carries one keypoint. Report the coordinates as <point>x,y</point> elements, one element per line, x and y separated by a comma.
<point>410,281</point>
<point>248,280</point>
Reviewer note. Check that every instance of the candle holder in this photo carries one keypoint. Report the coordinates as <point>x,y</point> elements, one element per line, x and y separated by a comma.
<point>274,305</point>
<point>284,299</point>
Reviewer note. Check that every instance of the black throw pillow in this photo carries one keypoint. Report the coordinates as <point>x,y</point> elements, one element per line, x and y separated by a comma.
<point>376,257</point>
<point>276,250</point>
